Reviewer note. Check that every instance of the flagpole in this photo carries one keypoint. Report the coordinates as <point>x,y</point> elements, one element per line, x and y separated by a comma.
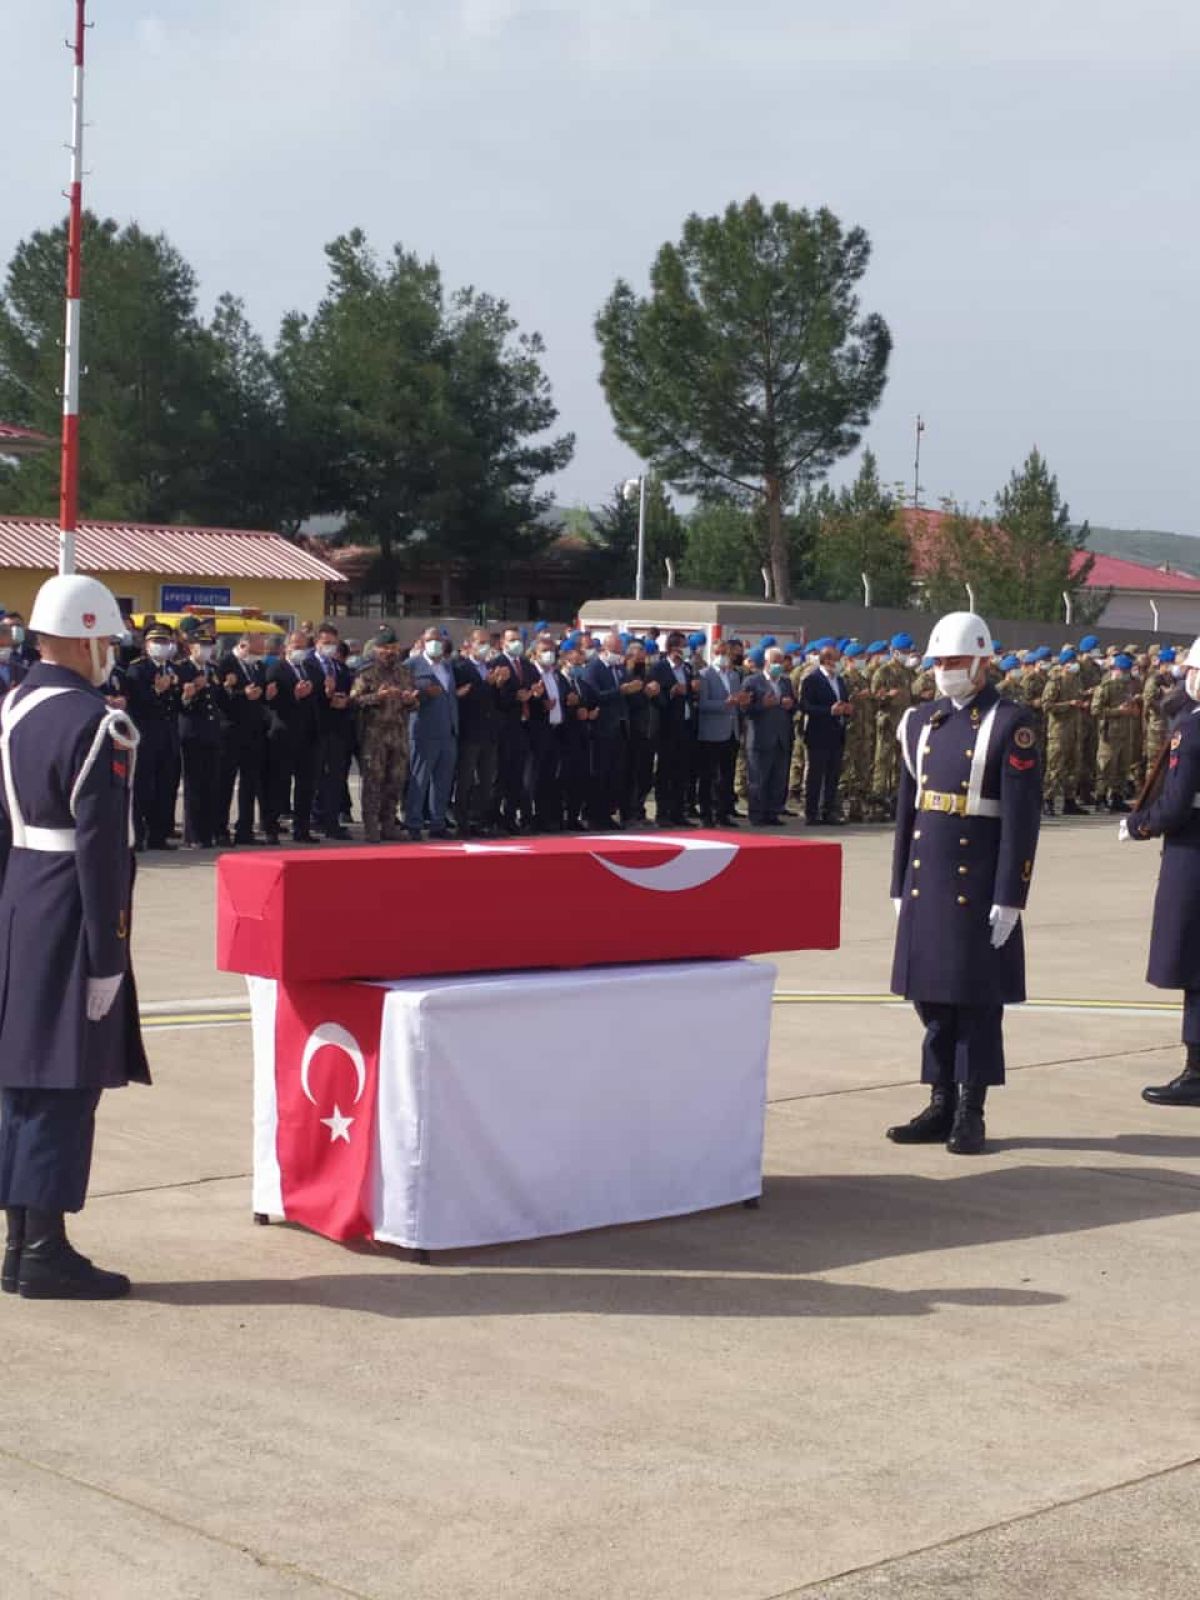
<point>68,500</point>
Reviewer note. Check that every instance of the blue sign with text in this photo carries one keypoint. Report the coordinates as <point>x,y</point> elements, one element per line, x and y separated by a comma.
<point>175,596</point>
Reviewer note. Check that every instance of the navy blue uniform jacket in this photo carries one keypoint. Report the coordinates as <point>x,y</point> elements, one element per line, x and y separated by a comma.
<point>65,918</point>
<point>818,696</point>
<point>1173,817</point>
<point>948,870</point>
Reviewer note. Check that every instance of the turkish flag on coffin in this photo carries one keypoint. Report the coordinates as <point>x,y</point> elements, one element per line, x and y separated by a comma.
<point>326,1088</point>
<point>416,910</point>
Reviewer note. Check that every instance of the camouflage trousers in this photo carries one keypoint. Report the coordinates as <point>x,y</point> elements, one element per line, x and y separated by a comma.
<point>796,773</point>
<point>383,759</point>
<point>1063,748</point>
<point>1114,763</point>
<point>885,766</point>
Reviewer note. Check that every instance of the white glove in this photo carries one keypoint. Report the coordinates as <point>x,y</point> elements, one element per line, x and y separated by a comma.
<point>1123,832</point>
<point>101,992</point>
<point>896,904</point>
<point>1003,920</point>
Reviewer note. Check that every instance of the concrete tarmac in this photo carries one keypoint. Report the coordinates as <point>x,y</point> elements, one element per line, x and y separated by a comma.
<point>907,1375</point>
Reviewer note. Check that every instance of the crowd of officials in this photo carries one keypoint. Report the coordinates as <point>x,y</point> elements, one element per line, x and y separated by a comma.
<point>533,731</point>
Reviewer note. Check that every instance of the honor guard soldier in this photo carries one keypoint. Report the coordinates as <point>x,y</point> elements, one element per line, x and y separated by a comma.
<point>69,1022</point>
<point>152,689</point>
<point>1173,816</point>
<point>967,824</point>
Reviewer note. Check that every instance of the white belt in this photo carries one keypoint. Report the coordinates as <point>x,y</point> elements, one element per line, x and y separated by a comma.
<point>51,841</point>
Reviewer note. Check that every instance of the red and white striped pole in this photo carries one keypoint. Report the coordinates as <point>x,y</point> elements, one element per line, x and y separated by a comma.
<point>68,500</point>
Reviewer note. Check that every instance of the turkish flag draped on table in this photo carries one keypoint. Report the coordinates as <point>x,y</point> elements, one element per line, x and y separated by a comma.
<point>406,1089</point>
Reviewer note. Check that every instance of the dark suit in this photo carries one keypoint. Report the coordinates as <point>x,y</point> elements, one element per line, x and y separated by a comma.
<point>825,739</point>
<point>156,719</point>
<point>433,750</point>
<point>335,726</point>
<point>293,737</point>
<point>677,719</point>
<point>478,745</point>
<point>515,796</point>
<point>577,756</point>
<point>548,749</point>
<point>610,744</point>
<point>202,732</point>
<point>245,761</point>
<point>768,744</point>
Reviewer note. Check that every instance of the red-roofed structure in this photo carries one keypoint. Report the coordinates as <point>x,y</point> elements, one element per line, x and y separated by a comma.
<point>16,441</point>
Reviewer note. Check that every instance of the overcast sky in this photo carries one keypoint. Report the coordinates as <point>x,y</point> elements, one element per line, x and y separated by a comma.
<point>1026,171</point>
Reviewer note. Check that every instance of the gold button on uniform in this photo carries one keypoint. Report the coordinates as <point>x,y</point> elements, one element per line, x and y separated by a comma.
<point>964,784</point>
<point>916,864</point>
<point>964,841</point>
<point>916,833</point>
<point>969,754</point>
<point>916,893</point>
<point>962,899</point>
<point>962,872</point>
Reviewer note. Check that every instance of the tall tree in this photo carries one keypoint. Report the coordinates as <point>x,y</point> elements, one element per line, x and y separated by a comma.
<point>728,544</point>
<point>1021,563</point>
<point>862,533</point>
<point>149,384</point>
<point>749,370</point>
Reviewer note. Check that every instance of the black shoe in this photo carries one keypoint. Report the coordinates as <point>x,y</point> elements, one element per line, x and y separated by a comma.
<point>814,822</point>
<point>931,1126</point>
<point>337,833</point>
<point>1072,808</point>
<point>1116,805</point>
<point>304,838</point>
<point>1048,808</point>
<point>52,1269</point>
<point>967,1134</point>
<point>736,813</point>
<point>833,822</point>
<point>440,833</point>
<point>161,844</point>
<point>272,838</point>
<point>11,1271</point>
<point>771,822</point>
<point>1181,1091</point>
<point>726,822</point>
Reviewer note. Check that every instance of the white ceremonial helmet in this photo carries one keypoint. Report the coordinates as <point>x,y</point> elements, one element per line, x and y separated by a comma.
<point>960,633</point>
<point>1192,659</point>
<point>73,606</point>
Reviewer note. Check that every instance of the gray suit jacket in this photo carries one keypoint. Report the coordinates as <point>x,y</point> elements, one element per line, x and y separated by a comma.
<point>718,722</point>
<point>769,724</point>
<point>435,721</point>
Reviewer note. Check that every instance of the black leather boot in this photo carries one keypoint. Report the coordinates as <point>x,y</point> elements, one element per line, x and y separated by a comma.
<point>52,1269</point>
<point>1181,1091</point>
<point>932,1125</point>
<point>967,1136</point>
<point>15,1217</point>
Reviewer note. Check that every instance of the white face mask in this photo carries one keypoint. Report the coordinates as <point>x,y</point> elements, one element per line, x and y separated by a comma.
<point>104,659</point>
<point>204,653</point>
<point>433,649</point>
<point>912,661</point>
<point>5,652</point>
<point>483,652</point>
<point>512,647</point>
<point>160,650</point>
<point>612,658</point>
<point>297,657</point>
<point>721,663</point>
<point>957,682</point>
<point>1072,666</point>
<point>547,658</point>
<point>327,651</point>
<point>1192,683</point>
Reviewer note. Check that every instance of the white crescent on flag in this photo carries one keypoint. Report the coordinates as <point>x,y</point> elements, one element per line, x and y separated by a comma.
<point>699,861</point>
<point>338,1038</point>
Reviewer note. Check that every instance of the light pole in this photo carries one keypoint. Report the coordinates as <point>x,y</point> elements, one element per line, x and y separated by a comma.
<point>68,498</point>
<point>637,486</point>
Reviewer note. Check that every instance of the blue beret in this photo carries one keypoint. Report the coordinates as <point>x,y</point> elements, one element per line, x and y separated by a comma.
<point>540,627</point>
<point>1123,661</point>
<point>1066,654</point>
<point>793,649</point>
<point>875,648</point>
<point>902,641</point>
<point>1089,643</point>
<point>1009,663</point>
<point>996,647</point>
<point>625,638</point>
<point>1167,653</point>
<point>695,640</point>
<point>853,651</point>
<point>843,642</point>
<point>768,640</point>
<point>758,655</point>
<point>926,663</point>
<point>651,647</point>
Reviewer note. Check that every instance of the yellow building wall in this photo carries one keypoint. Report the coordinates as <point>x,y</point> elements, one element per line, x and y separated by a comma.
<point>303,601</point>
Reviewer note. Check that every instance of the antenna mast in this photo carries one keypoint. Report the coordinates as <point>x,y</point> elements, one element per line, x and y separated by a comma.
<point>68,500</point>
<point>917,465</point>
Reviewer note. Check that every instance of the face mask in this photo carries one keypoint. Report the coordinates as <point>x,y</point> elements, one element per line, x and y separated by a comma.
<point>1192,683</point>
<point>547,658</point>
<point>159,652</point>
<point>776,669</point>
<point>18,634</point>
<point>956,682</point>
<point>297,657</point>
<point>512,647</point>
<point>5,652</point>
<point>482,652</point>
<point>912,661</point>
<point>1178,672</point>
<point>1072,666</point>
<point>613,659</point>
<point>204,653</point>
<point>721,663</point>
<point>433,649</point>
<point>103,661</point>
<point>327,651</point>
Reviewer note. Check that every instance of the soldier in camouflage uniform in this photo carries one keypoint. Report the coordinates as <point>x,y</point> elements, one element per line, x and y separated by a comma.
<point>1116,709</point>
<point>805,662</point>
<point>383,695</point>
<point>1033,686</point>
<point>1062,707</point>
<point>1090,676</point>
<point>891,694</point>
<point>1009,686</point>
<point>854,788</point>
<point>1159,683</point>
<point>924,685</point>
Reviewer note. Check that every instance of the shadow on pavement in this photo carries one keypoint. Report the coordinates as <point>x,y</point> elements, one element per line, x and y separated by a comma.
<point>1167,1145</point>
<point>426,1292</point>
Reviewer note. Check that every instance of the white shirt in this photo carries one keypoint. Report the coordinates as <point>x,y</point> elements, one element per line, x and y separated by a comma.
<point>553,698</point>
<point>681,679</point>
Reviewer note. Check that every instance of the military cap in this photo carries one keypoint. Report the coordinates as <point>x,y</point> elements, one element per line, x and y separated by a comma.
<point>1088,642</point>
<point>385,636</point>
<point>902,641</point>
<point>758,655</point>
<point>1066,654</point>
<point>159,630</point>
<point>695,640</point>
<point>1167,653</point>
<point>853,651</point>
<point>188,625</point>
<point>1123,661</point>
<point>651,647</point>
<point>1009,663</point>
<point>877,648</point>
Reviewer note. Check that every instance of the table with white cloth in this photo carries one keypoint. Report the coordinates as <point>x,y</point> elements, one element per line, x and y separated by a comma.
<point>518,1105</point>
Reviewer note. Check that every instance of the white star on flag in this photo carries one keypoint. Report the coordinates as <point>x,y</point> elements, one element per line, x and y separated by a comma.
<point>338,1125</point>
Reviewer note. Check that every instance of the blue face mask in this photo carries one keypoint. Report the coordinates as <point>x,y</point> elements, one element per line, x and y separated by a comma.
<point>776,669</point>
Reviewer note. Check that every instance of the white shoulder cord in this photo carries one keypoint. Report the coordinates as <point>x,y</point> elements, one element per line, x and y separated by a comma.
<point>118,726</point>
